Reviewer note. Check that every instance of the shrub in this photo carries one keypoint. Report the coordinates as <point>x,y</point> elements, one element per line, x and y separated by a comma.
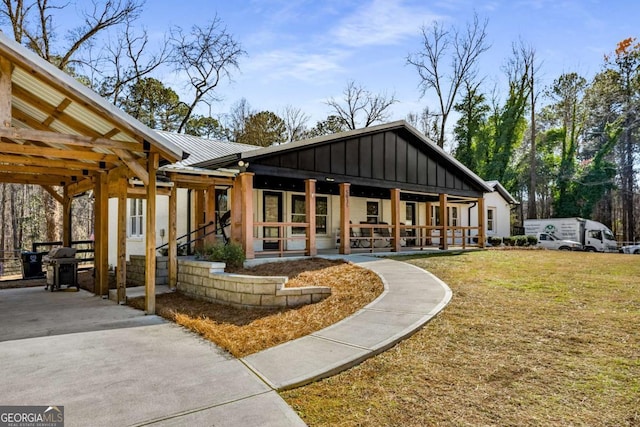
<point>521,240</point>
<point>509,241</point>
<point>532,240</point>
<point>231,254</point>
<point>495,241</point>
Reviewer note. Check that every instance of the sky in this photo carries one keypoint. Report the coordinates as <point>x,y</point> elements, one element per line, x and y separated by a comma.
<point>301,53</point>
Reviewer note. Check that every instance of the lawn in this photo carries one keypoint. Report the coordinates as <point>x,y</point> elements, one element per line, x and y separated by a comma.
<point>542,338</point>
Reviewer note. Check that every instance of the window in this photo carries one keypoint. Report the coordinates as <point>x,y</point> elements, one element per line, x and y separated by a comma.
<point>222,207</point>
<point>453,216</point>
<point>410,214</point>
<point>135,217</point>
<point>298,213</point>
<point>491,217</point>
<point>373,212</point>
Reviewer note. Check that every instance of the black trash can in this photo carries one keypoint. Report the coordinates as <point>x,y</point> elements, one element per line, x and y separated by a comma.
<point>31,265</point>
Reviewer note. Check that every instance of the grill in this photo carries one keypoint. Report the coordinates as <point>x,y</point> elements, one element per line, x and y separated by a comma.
<point>62,268</point>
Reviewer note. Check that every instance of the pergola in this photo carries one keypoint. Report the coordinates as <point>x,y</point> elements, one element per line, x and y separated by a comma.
<point>59,134</point>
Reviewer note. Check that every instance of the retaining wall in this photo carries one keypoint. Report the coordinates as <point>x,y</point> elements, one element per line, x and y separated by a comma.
<point>207,281</point>
<point>136,270</point>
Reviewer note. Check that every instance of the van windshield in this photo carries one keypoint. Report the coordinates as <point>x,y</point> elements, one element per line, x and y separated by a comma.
<point>608,235</point>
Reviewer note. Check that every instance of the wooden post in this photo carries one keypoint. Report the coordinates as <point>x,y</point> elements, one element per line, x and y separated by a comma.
<point>101,235</point>
<point>444,222</point>
<point>310,209</point>
<point>150,234</point>
<point>5,92</point>
<point>429,222</point>
<point>199,219</point>
<point>121,274</point>
<point>66,217</point>
<point>246,196</point>
<point>236,211</point>
<point>481,230</point>
<point>210,215</point>
<point>173,241</point>
<point>395,219</point>
<point>345,235</point>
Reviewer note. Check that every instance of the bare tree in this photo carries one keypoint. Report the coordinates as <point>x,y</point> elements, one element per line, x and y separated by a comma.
<point>442,45</point>
<point>40,36</point>
<point>359,102</point>
<point>206,55</point>
<point>295,121</point>
<point>426,121</point>
<point>237,118</point>
<point>127,60</point>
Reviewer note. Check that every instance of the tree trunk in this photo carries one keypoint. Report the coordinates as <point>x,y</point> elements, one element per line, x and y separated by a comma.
<point>532,212</point>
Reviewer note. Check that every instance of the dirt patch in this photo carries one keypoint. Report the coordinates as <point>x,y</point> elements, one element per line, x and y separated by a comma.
<point>246,331</point>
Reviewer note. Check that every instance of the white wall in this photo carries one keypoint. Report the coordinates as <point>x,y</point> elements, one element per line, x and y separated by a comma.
<point>358,212</point>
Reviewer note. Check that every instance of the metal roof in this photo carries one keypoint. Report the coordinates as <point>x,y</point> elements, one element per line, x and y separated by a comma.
<point>48,101</point>
<point>203,149</point>
<point>496,186</point>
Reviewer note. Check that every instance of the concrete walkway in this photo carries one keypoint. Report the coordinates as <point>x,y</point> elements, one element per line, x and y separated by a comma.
<point>111,365</point>
<point>411,298</point>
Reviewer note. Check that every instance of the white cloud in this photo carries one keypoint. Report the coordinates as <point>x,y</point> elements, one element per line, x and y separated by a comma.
<point>381,22</point>
<point>311,67</point>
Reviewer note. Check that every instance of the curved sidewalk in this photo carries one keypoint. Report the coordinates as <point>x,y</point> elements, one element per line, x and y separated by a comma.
<point>412,297</point>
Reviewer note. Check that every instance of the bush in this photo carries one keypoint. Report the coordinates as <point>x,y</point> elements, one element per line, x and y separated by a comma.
<point>521,240</point>
<point>231,254</point>
<point>532,240</point>
<point>509,241</point>
<point>495,241</point>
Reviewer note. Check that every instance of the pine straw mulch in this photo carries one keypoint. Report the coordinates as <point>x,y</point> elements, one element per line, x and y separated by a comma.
<point>246,331</point>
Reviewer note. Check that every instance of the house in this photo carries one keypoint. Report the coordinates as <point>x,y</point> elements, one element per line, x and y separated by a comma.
<point>384,187</point>
<point>499,205</point>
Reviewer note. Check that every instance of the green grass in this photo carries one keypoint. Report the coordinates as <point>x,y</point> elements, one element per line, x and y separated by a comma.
<point>543,338</point>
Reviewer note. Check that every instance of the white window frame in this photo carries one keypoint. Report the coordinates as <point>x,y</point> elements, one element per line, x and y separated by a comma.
<point>135,218</point>
<point>491,220</point>
<point>453,216</point>
<point>301,216</point>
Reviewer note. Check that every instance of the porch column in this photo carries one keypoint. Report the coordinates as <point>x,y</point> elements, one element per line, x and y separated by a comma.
<point>121,274</point>
<point>345,236</point>
<point>429,222</point>
<point>66,217</point>
<point>210,215</point>
<point>481,230</point>
<point>310,209</point>
<point>150,234</point>
<point>5,92</point>
<point>444,222</point>
<point>246,196</point>
<point>101,235</point>
<point>236,211</point>
<point>395,219</point>
<point>173,234</point>
<point>199,211</point>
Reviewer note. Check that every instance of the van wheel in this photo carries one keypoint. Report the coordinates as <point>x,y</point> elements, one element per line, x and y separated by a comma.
<point>636,252</point>
<point>591,249</point>
<point>564,248</point>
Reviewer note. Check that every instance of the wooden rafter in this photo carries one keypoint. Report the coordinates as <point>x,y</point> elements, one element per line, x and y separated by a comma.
<point>36,161</point>
<point>67,139</point>
<point>132,162</point>
<point>54,194</point>
<point>57,112</point>
<point>31,150</point>
<point>43,170</point>
<point>18,178</point>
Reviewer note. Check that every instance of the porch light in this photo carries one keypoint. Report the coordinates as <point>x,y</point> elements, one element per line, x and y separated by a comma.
<point>241,163</point>
<point>329,179</point>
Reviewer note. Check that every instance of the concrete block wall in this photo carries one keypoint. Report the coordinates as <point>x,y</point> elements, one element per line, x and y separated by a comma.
<point>207,281</point>
<point>136,270</point>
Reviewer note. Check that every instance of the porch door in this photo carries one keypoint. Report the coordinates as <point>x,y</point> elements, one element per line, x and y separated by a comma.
<point>271,212</point>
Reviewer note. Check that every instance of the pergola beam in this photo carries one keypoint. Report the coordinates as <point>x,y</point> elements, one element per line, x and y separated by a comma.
<point>50,137</point>
<point>54,163</point>
<point>32,150</point>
